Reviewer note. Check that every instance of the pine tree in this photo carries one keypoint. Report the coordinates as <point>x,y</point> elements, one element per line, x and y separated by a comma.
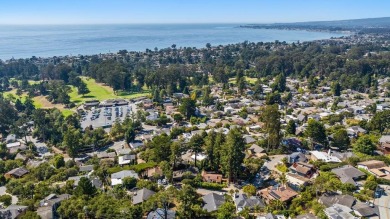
<point>232,154</point>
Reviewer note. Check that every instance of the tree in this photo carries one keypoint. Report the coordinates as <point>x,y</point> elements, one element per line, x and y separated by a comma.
<point>72,141</point>
<point>271,118</point>
<point>196,144</point>
<point>30,215</point>
<point>326,181</point>
<point>213,144</point>
<point>279,84</point>
<point>291,127</point>
<point>6,200</point>
<point>71,208</point>
<point>130,135</point>
<point>232,155</point>
<point>226,211</point>
<point>316,131</point>
<point>207,99</point>
<point>82,88</point>
<point>187,107</point>
<point>163,200</point>
<point>364,145</point>
<point>380,121</point>
<point>249,189</point>
<point>58,161</point>
<point>336,89</point>
<point>257,90</point>
<point>129,182</point>
<point>241,85</point>
<point>341,139</point>
<point>85,187</point>
<point>177,117</point>
<point>272,98</point>
<point>189,202</point>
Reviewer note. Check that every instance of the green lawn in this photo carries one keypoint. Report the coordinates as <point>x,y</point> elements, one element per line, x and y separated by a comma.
<point>101,92</point>
<point>97,92</point>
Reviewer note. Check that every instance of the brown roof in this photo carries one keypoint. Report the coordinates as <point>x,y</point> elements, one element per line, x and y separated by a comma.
<point>371,164</point>
<point>284,193</point>
<point>211,177</point>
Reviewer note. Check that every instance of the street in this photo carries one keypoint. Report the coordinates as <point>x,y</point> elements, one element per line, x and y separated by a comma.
<point>383,203</point>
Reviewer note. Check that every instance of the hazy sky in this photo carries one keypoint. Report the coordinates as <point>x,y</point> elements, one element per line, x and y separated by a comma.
<point>186,11</point>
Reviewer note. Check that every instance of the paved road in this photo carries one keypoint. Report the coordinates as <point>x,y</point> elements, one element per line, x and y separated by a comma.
<point>383,204</point>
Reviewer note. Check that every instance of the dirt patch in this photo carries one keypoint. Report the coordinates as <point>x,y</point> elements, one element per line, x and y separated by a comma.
<point>44,103</point>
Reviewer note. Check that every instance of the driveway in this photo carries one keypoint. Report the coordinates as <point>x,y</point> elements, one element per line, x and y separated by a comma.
<point>274,160</point>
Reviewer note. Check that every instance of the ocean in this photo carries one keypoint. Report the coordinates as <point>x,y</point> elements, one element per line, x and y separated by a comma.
<point>58,40</point>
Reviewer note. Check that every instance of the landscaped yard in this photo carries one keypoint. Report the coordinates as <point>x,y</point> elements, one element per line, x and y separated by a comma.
<point>97,92</point>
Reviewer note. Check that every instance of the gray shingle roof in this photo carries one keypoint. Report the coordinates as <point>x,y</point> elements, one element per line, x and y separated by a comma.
<point>213,201</point>
<point>142,195</point>
<point>348,174</point>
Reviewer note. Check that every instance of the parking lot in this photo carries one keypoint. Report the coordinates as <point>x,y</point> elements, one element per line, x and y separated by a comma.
<point>105,116</point>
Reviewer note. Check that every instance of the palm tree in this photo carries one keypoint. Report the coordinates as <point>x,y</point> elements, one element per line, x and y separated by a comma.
<point>283,179</point>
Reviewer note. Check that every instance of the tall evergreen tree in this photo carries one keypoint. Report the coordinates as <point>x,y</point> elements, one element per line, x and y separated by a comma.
<point>232,154</point>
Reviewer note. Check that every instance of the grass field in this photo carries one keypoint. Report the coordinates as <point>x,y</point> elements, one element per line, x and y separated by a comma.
<point>97,92</point>
<point>100,92</point>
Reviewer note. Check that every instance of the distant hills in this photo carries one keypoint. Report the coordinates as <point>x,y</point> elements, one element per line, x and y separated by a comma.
<point>366,25</point>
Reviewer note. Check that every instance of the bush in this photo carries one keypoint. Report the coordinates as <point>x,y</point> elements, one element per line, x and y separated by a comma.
<point>6,199</point>
<point>212,186</point>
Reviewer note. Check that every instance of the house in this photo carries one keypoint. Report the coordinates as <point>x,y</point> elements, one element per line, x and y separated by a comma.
<point>86,168</point>
<point>296,182</point>
<point>191,172</point>
<point>13,212</point>
<point>212,201</point>
<point>256,151</point>
<point>271,216</point>
<point>348,174</point>
<point>371,164</point>
<point>116,178</point>
<point>211,177</point>
<point>142,195</point>
<point>323,156</point>
<point>329,199</point>
<point>126,159</point>
<point>136,144</point>
<point>105,155</point>
<point>16,173</point>
<point>159,213</point>
<point>153,172</point>
<point>306,216</point>
<point>363,210</point>
<point>384,143</point>
<point>282,193</point>
<point>303,169</point>
<point>355,131</point>
<point>76,179</point>
<point>123,151</point>
<point>249,140</point>
<point>243,201</point>
<point>48,206</point>
<point>10,138</point>
<point>296,157</point>
<point>339,212</point>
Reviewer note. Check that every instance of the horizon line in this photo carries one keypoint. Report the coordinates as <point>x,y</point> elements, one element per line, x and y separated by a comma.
<point>177,23</point>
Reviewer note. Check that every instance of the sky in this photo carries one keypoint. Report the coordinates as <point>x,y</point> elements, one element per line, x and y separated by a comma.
<point>186,11</point>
